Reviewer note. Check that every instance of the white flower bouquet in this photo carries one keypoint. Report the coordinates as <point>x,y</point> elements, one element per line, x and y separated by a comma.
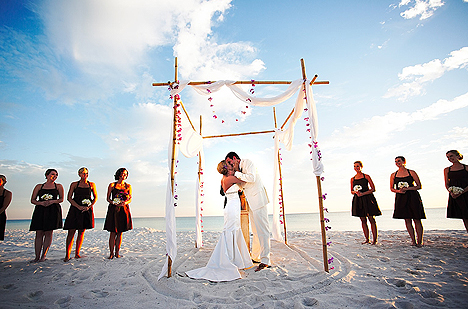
<point>455,190</point>
<point>403,184</point>
<point>86,202</point>
<point>47,197</point>
<point>116,201</point>
<point>357,188</point>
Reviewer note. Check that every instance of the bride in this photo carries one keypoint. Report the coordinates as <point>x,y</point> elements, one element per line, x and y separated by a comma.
<point>231,252</point>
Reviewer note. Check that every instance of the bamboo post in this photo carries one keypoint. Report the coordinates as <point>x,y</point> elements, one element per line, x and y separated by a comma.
<point>319,189</point>
<point>244,218</point>
<point>174,142</point>
<point>322,224</point>
<point>281,185</point>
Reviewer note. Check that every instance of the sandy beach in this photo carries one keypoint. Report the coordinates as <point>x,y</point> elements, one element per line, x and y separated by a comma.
<point>392,274</point>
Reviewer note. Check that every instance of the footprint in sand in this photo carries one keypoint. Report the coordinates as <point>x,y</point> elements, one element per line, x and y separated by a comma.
<point>9,286</point>
<point>64,301</point>
<point>398,282</point>
<point>33,296</point>
<point>309,302</point>
<point>95,294</point>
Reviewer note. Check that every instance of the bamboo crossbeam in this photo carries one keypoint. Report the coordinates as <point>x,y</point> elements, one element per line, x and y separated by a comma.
<point>239,134</point>
<point>244,82</point>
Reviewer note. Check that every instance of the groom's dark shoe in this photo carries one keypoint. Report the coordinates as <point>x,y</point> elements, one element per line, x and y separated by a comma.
<point>262,266</point>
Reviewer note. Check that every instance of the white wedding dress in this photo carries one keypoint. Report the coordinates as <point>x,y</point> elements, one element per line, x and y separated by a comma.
<point>231,252</point>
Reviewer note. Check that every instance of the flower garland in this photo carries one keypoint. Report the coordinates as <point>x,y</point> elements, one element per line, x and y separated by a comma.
<point>202,194</point>
<point>176,197</point>
<point>212,106</point>
<point>314,146</point>
<point>280,195</point>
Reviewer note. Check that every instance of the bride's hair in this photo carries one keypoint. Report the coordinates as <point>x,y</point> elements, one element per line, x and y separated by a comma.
<point>222,168</point>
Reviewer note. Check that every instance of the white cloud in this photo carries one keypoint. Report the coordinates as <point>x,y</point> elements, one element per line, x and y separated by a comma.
<point>93,50</point>
<point>424,9</point>
<point>421,74</point>
<point>119,34</point>
<point>139,132</point>
<point>113,33</point>
<point>378,129</point>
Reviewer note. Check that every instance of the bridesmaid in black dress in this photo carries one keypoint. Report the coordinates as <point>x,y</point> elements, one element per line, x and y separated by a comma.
<point>47,215</point>
<point>364,203</point>
<point>118,218</point>
<point>82,196</point>
<point>408,203</point>
<point>456,182</point>
<point>5,200</point>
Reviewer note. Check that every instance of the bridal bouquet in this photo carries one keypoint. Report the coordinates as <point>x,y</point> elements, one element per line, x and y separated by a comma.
<point>455,190</point>
<point>47,197</point>
<point>357,188</point>
<point>403,184</point>
<point>86,202</point>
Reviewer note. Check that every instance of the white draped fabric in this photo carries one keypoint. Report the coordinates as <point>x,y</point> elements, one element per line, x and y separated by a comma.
<point>276,230</point>
<point>192,144</point>
<point>171,239</point>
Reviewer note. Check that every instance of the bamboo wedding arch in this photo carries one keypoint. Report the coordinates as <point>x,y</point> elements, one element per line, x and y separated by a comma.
<point>171,247</point>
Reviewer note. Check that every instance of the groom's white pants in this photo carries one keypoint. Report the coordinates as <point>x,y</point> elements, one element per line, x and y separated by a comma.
<point>261,235</point>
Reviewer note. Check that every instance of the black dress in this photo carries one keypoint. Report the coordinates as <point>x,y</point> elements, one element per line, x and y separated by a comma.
<point>3,217</point>
<point>365,205</point>
<point>118,218</point>
<point>47,218</point>
<point>408,205</point>
<point>76,219</point>
<point>458,207</point>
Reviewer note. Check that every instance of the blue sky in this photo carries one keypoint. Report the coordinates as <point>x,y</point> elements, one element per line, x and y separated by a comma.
<point>75,90</point>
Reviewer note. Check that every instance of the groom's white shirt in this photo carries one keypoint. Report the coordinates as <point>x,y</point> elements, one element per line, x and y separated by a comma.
<point>254,190</point>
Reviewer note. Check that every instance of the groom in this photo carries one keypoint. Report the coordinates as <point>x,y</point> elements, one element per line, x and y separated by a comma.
<point>258,200</point>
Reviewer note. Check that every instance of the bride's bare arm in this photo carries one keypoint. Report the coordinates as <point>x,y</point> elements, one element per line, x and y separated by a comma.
<point>228,181</point>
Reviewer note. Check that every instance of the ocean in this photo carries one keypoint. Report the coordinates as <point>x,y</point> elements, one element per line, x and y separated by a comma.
<point>339,221</point>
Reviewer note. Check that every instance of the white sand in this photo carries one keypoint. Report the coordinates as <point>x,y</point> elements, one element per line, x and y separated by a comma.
<point>390,275</point>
